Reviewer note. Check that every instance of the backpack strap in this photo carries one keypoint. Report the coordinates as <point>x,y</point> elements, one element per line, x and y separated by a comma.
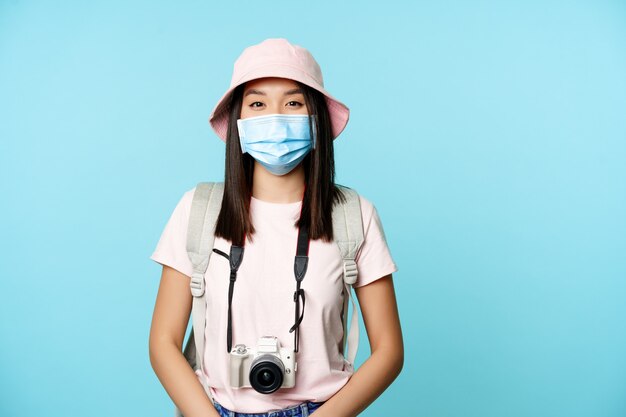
<point>205,208</point>
<point>348,234</point>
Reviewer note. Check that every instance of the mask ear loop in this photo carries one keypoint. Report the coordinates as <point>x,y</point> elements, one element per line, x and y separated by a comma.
<point>313,129</point>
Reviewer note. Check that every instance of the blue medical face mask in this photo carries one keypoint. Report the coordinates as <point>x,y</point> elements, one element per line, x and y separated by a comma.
<point>278,141</point>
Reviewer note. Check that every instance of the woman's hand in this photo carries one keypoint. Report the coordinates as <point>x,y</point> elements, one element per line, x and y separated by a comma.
<point>382,322</point>
<point>169,322</point>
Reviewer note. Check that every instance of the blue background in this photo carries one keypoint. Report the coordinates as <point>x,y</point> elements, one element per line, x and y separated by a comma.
<point>491,136</point>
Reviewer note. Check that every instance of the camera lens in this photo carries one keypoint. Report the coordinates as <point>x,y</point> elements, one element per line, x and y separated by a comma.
<point>266,374</point>
<point>265,377</point>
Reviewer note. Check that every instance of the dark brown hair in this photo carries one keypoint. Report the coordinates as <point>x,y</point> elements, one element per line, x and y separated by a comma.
<point>321,193</point>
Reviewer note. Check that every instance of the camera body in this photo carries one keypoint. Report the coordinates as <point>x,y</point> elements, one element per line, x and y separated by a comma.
<point>266,368</point>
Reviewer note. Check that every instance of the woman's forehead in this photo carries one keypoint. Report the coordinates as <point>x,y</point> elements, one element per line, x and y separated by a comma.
<point>271,83</point>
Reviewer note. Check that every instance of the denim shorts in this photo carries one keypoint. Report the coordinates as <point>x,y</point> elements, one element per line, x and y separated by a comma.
<point>300,410</point>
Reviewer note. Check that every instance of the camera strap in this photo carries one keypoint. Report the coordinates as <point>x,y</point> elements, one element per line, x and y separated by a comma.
<point>301,262</point>
<point>235,258</point>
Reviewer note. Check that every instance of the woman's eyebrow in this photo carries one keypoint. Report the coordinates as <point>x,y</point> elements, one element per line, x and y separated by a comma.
<point>253,91</point>
<point>294,91</point>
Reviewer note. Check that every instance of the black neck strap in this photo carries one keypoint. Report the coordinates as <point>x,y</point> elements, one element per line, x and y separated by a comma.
<point>299,267</point>
<point>300,264</point>
<point>235,258</point>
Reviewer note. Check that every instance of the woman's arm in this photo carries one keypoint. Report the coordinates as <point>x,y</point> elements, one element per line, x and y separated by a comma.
<point>167,332</point>
<point>380,315</point>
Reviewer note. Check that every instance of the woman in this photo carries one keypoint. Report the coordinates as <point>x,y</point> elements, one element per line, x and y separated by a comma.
<point>279,124</point>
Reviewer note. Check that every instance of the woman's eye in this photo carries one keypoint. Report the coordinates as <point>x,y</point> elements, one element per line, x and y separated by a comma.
<point>294,103</point>
<point>254,104</point>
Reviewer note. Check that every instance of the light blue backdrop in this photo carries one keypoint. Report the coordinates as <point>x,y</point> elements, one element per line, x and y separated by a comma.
<point>491,136</point>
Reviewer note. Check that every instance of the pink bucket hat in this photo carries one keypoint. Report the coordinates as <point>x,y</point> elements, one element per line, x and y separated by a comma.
<point>278,58</point>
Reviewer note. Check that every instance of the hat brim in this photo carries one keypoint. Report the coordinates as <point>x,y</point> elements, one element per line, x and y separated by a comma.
<point>339,112</point>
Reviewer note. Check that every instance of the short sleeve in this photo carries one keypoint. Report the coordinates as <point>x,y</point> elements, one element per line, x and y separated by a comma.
<point>373,259</point>
<point>171,249</point>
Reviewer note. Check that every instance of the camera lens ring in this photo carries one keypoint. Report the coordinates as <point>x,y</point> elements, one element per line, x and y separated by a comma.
<point>266,374</point>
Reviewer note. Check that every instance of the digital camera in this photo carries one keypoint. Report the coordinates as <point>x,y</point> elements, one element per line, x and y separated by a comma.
<point>266,368</point>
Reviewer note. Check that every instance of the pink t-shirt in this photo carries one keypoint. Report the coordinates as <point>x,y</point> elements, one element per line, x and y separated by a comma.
<point>263,300</point>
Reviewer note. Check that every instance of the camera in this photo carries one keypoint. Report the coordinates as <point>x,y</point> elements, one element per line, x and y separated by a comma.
<point>266,368</point>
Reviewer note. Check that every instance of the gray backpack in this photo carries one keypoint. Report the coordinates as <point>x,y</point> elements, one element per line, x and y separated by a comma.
<point>205,207</point>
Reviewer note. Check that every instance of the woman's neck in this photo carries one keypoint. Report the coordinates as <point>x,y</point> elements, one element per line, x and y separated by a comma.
<point>288,188</point>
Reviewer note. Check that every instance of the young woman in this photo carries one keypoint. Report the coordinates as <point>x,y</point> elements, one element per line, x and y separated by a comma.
<point>279,124</point>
